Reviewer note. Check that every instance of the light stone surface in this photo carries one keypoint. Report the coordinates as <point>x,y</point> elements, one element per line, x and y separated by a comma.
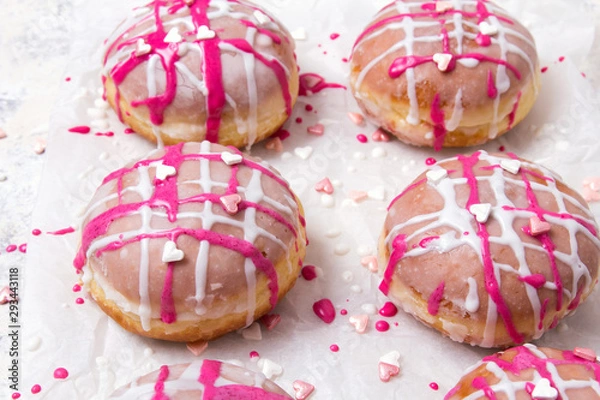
<point>34,50</point>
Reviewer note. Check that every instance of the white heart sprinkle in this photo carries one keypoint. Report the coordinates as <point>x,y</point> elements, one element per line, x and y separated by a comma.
<point>269,368</point>
<point>544,391</point>
<point>252,332</point>
<point>173,36</point>
<point>436,175</point>
<point>231,158</point>
<point>261,17</point>
<point>299,34</point>
<point>391,358</point>
<point>512,166</point>
<point>303,152</point>
<point>163,171</point>
<point>487,29</point>
<point>171,253</point>
<point>142,48</point>
<point>481,211</point>
<point>377,194</point>
<point>205,33</point>
<point>442,60</point>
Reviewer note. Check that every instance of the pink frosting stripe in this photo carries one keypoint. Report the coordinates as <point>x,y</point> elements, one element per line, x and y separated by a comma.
<point>212,68</point>
<point>159,386</point>
<point>399,247</point>
<point>210,372</point>
<point>274,64</point>
<point>439,123</point>
<point>433,303</point>
<point>492,285</point>
<point>165,197</point>
<point>481,14</point>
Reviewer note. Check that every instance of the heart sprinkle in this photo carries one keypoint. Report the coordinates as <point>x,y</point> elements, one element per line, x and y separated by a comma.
<point>230,203</point>
<point>442,60</point>
<point>481,211</point>
<point>231,158</point>
<point>537,226</point>
<point>435,176</point>
<point>302,389</point>
<point>173,36</point>
<point>171,253</point>
<point>163,171</point>
<point>324,186</point>
<point>142,48</point>
<point>204,33</point>
<point>512,166</point>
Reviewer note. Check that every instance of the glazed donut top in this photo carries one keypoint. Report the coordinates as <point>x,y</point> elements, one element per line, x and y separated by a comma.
<point>232,221</point>
<point>521,371</point>
<point>185,57</point>
<point>519,270</point>
<point>206,379</point>
<point>450,57</point>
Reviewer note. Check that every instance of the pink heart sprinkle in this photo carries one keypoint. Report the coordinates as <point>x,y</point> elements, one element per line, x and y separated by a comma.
<point>230,203</point>
<point>356,118</point>
<point>537,226</point>
<point>324,185</point>
<point>380,136</point>
<point>270,321</point>
<point>317,129</point>
<point>370,262</point>
<point>386,371</point>
<point>197,347</point>
<point>358,195</point>
<point>274,144</point>
<point>586,354</point>
<point>6,295</point>
<point>302,389</point>
<point>360,322</point>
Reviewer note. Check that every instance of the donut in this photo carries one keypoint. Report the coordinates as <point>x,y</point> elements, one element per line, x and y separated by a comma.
<point>530,372</point>
<point>445,73</point>
<point>203,379</point>
<point>490,250</point>
<point>193,70</point>
<point>192,242</point>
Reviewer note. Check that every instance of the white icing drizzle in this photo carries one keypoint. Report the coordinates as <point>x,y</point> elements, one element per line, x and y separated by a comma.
<point>472,302</point>
<point>253,192</point>
<point>181,20</point>
<point>461,222</point>
<point>511,389</point>
<point>410,25</point>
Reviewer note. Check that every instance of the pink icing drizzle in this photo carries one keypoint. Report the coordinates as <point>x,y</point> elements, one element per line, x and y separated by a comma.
<point>159,386</point>
<point>439,127</point>
<point>492,90</point>
<point>491,283</point>
<point>165,197</point>
<point>311,83</point>
<point>334,348</point>
<point>61,232</point>
<point>211,371</point>
<point>36,232</point>
<point>325,310</point>
<point>399,248</point>
<point>35,389</point>
<point>11,247</point>
<point>513,112</point>
<point>212,69</point>
<point>535,280</point>
<point>525,360</point>
<point>433,303</point>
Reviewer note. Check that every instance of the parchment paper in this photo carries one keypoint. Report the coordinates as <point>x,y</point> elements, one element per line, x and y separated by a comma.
<point>561,132</point>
